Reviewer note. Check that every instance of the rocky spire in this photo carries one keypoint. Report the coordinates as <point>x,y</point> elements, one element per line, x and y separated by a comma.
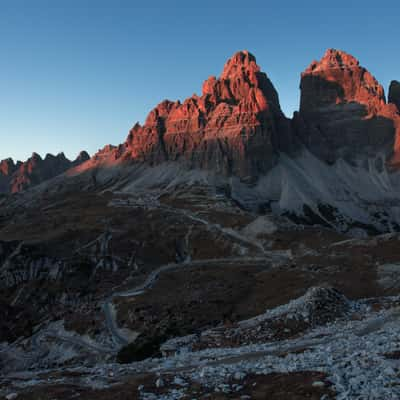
<point>339,78</point>
<point>235,126</point>
<point>343,113</point>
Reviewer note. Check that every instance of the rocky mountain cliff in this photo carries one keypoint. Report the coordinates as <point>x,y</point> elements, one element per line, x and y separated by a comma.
<point>15,177</point>
<point>343,111</point>
<point>236,127</point>
<point>335,163</point>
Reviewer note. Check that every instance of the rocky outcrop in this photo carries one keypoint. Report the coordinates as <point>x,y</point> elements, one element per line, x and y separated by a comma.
<point>343,112</point>
<point>23,266</point>
<point>235,127</point>
<point>394,94</point>
<point>83,156</point>
<point>15,177</point>
<point>7,169</point>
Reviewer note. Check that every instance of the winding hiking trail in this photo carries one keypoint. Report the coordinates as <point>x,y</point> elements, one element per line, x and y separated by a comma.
<point>119,339</point>
<point>265,258</point>
<point>210,226</point>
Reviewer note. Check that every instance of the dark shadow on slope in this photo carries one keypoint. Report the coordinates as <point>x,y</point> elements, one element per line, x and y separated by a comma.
<point>332,128</point>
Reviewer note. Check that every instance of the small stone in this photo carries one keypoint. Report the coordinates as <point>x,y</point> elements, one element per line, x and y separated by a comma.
<point>179,381</point>
<point>318,384</point>
<point>239,376</point>
<point>224,388</point>
<point>159,383</point>
<point>389,371</point>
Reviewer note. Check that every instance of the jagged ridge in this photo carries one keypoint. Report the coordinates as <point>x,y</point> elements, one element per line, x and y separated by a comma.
<point>236,127</point>
<point>15,177</point>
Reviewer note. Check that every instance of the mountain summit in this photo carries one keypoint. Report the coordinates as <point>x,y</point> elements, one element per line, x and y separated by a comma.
<point>343,111</point>
<point>233,127</point>
<point>336,79</point>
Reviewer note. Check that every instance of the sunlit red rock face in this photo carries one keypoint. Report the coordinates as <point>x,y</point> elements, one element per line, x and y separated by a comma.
<point>235,127</point>
<point>22,175</point>
<point>343,112</point>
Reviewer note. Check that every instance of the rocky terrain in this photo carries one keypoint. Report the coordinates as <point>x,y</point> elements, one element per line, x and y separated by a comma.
<point>222,251</point>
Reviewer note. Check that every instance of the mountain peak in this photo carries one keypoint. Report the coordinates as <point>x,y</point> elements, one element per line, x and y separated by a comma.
<point>343,109</point>
<point>229,128</point>
<point>238,63</point>
<point>7,166</point>
<point>339,78</point>
<point>35,157</point>
<point>82,156</point>
<point>333,59</point>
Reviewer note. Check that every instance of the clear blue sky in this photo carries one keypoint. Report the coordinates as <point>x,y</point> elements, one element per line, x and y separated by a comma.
<point>77,74</point>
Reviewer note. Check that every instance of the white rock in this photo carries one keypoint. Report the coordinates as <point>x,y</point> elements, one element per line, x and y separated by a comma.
<point>389,371</point>
<point>179,381</point>
<point>239,376</point>
<point>159,383</point>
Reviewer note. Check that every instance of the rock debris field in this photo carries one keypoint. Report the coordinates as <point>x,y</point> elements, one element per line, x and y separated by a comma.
<point>355,356</point>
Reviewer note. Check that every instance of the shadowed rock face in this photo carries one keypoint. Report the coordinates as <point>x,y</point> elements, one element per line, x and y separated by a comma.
<point>343,112</point>
<point>338,78</point>
<point>235,127</point>
<point>83,156</point>
<point>15,177</point>
<point>7,168</point>
<point>394,94</point>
